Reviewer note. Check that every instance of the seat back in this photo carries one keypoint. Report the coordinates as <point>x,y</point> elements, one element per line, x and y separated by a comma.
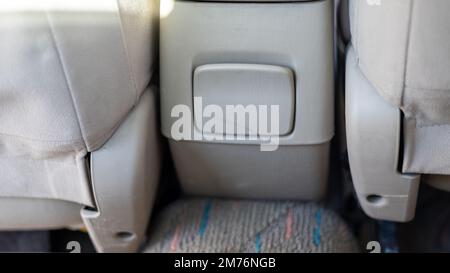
<point>64,66</point>
<point>401,51</point>
<point>78,134</point>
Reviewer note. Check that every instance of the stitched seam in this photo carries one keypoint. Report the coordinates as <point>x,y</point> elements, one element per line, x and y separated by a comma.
<point>41,140</point>
<point>357,27</point>
<point>407,49</point>
<point>101,139</point>
<point>426,89</point>
<point>95,142</point>
<point>127,55</point>
<point>434,126</point>
<point>65,76</point>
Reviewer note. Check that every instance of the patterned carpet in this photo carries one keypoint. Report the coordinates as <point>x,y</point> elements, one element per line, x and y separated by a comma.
<point>216,226</point>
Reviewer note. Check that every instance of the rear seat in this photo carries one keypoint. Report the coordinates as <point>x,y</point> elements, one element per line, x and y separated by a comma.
<point>398,98</point>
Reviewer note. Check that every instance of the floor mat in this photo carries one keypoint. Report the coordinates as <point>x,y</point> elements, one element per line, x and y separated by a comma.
<point>218,226</point>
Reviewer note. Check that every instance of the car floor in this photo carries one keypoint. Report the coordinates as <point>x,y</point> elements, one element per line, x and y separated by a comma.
<point>429,232</point>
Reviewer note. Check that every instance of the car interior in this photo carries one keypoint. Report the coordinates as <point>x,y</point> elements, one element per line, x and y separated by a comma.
<point>224,126</point>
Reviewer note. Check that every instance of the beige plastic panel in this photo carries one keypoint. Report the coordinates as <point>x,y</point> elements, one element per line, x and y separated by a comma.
<point>296,35</point>
<point>243,171</point>
<point>373,139</point>
<point>125,175</point>
<point>246,84</point>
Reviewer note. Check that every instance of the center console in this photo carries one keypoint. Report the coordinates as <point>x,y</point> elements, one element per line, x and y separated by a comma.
<point>249,53</point>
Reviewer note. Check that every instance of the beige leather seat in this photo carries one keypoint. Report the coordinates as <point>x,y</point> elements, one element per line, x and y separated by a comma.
<point>398,98</point>
<point>77,128</point>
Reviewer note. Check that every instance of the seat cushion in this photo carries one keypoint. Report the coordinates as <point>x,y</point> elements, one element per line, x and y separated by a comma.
<point>213,225</point>
<point>70,72</point>
<point>38,214</point>
<point>403,49</point>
